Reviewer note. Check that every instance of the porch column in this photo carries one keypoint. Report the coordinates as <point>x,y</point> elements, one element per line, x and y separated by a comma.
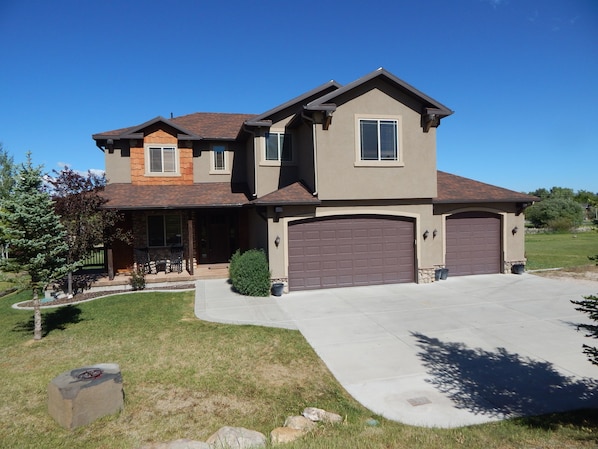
<point>110,263</point>
<point>191,245</point>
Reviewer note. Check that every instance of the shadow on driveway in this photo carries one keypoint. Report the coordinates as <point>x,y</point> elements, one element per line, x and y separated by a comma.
<point>499,383</point>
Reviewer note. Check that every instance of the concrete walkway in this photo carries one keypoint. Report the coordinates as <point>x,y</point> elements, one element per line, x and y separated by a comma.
<point>463,351</point>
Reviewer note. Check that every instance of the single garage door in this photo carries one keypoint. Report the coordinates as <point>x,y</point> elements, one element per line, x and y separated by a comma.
<point>350,251</point>
<point>473,243</point>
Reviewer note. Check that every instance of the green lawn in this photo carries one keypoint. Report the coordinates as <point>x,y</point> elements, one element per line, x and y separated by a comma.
<point>560,250</point>
<point>185,378</point>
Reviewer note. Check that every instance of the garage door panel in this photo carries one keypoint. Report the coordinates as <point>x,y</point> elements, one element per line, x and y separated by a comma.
<point>350,251</point>
<point>473,244</point>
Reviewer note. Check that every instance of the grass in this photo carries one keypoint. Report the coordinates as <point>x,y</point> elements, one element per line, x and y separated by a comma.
<point>185,378</point>
<point>556,250</point>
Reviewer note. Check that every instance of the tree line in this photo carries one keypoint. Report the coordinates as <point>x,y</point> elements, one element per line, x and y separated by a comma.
<point>562,209</point>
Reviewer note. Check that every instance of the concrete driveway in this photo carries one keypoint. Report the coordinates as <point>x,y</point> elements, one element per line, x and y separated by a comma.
<point>458,352</point>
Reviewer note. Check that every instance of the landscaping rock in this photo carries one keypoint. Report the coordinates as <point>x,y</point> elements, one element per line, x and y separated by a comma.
<point>282,435</point>
<point>300,423</point>
<point>82,395</point>
<point>183,443</point>
<point>317,414</point>
<point>237,438</point>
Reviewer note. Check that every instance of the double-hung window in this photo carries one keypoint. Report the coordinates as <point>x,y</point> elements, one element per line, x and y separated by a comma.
<point>379,139</point>
<point>164,230</point>
<point>278,147</point>
<point>219,158</point>
<point>162,159</point>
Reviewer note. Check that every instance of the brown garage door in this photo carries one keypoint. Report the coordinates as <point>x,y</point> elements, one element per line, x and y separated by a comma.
<point>350,251</point>
<point>473,243</point>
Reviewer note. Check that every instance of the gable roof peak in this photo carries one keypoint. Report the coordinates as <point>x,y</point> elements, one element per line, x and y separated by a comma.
<point>431,106</point>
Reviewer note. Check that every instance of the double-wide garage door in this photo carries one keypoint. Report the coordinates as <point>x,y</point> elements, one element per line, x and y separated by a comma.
<point>473,243</point>
<point>350,251</point>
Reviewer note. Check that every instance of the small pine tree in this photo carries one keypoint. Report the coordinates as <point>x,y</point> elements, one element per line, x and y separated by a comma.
<point>35,234</point>
<point>589,305</point>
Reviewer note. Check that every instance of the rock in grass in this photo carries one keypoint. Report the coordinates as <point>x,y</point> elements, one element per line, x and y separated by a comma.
<point>300,423</point>
<point>237,438</point>
<point>183,443</point>
<point>317,414</point>
<point>282,435</point>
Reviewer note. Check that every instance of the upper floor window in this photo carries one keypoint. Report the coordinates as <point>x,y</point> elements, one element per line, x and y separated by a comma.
<point>219,159</point>
<point>379,140</point>
<point>164,230</point>
<point>278,147</point>
<point>162,159</point>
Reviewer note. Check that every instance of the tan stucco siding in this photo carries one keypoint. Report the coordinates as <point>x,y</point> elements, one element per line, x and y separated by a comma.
<point>340,175</point>
<point>273,175</point>
<point>203,170</point>
<point>118,166</point>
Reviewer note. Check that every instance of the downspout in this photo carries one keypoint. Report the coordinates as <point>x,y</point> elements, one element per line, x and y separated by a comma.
<point>314,144</point>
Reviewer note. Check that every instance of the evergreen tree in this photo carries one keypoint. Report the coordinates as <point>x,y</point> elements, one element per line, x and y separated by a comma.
<point>35,234</point>
<point>589,305</point>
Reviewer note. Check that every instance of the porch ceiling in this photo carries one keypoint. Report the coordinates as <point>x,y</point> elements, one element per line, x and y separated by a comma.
<point>216,194</point>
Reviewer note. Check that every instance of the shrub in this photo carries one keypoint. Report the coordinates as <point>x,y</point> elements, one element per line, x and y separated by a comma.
<point>543,213</point>
<point>137,280</point>
<point>561,224</point>
<point>233,265</point>
<point>249,273</point>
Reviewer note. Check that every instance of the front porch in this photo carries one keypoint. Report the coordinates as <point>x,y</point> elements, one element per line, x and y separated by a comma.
<point>100,281</point>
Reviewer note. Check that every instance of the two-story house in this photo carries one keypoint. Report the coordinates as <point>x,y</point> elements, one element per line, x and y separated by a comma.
<point>339,186</point>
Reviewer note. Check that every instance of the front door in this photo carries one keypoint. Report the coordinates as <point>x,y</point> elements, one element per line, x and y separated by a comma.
<point>218,236</point>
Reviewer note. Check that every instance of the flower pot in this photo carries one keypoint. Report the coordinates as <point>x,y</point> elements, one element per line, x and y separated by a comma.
<point>444,273</point>
<point>277,288</point>
<point>437,274</point>
<point>518,268</point>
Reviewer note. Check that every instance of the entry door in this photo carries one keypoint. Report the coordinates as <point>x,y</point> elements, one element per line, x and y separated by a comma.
<point>218,236</point>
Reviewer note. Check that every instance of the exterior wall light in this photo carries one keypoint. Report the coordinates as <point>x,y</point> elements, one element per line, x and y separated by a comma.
<point>434,233</point>
<point>277,241</point>
<point>514,230</point>
<point>426,234</point>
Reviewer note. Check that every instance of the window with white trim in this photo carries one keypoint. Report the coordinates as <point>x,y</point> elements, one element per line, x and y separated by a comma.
<point>278,147</point>
<point>218,158</point>
<point>378,139</point>
<point>161,159</point>
<point>164,230</point>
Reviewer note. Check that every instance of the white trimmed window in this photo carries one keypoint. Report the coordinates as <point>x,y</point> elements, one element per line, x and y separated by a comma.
<point>378,140</point>
<point>161,159</point>
<point>278,147</point>
<point>219,162</point>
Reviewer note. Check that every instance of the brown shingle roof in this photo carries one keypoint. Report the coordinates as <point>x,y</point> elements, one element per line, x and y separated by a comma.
<point>213,125</point>
<point>456,189</point>
<point>295,193</point>
<point>208,125</point>
<point>214,194</point>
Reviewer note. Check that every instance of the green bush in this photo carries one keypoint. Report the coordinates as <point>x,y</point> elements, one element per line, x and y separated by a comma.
<point>233,265</point>
<point>137,280</point>
<point>249,273</point>
<point>561,224</point>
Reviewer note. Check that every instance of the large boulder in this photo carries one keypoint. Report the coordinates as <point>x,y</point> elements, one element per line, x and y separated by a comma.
<point>237,438</point>
<point>82,395</point>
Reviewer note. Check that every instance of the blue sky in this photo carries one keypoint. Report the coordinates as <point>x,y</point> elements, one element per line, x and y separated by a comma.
<point>521,75</point>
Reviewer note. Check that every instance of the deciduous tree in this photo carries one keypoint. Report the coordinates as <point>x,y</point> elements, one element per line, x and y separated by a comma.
<point>78,202</point>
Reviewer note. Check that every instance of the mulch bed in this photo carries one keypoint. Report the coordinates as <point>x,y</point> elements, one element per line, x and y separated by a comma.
<point>80,297</point>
